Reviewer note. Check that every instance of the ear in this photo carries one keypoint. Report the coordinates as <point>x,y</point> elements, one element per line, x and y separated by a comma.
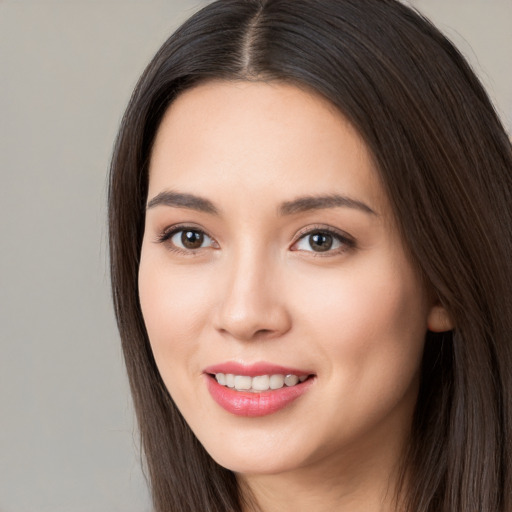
<point>439,320</point>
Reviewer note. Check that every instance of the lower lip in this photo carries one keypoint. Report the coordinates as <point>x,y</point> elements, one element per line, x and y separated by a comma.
<point>242,403</point>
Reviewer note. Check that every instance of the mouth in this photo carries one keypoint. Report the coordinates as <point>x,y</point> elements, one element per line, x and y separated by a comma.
<point>258,383</point>
<point>256,390</point>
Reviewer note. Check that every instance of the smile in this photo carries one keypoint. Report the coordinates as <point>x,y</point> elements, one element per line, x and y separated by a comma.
<point>257,389</point>
<point>258,383</point>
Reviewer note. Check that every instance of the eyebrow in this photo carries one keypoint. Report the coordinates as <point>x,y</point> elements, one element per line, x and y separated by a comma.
<point>182,200</point>
<point>298,205</point>
<point>307,203</point>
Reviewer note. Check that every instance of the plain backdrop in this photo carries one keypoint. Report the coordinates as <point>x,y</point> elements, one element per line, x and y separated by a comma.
<point>68,441</point>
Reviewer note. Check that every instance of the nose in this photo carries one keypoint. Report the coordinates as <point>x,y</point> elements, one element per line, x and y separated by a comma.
<point>252,303</point>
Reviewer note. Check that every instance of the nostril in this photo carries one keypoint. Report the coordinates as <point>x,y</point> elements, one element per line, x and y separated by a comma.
<point>263,332</point>
<point>248,322</point>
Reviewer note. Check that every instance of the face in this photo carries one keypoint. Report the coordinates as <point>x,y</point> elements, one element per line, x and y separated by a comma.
<point>271,262</point>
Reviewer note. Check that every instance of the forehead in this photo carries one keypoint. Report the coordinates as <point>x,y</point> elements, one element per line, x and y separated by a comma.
<point>256,138</point>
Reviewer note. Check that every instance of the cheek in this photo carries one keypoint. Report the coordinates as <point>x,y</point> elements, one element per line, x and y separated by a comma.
<point>173,305</point>
<point>368,330</point>
<point>370,325</point>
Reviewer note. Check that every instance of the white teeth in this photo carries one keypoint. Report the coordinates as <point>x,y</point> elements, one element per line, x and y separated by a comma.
<point>276,381</point>
<point>261,383</point>
<point>243,383</point>
<point>230,380</point>
<point>258,383</point>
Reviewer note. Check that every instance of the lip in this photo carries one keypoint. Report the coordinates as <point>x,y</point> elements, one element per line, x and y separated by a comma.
<point>255,369</point>
<point>241,403</point>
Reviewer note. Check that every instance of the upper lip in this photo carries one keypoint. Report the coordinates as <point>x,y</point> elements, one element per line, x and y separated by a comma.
<point>254,369</point>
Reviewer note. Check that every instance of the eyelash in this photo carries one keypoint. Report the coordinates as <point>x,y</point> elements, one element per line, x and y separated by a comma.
<point>168,233</point>
<point>345,240</point>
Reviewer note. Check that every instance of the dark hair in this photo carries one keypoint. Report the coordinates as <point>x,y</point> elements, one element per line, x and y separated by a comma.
<point>445,162</point>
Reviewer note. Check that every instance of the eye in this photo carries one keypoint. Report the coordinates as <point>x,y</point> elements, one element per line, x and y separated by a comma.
<point>323,241</point>
<point>186,239</point>
<point>190,239</point>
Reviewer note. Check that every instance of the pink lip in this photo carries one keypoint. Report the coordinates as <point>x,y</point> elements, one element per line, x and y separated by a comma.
<point>255,369</point>
<point>242,403</point>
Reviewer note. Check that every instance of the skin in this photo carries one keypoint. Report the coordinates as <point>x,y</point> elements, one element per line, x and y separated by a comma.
<point>257,290</point>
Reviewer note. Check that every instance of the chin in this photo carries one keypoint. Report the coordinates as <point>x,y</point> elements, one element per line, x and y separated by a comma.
<point>255,464</point>
<point>258,451</point>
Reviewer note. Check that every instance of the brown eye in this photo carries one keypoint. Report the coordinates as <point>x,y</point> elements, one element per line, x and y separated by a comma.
<point>187,239</point>
<point>320,242</point>
<point>323,240</point>
<point>192,239</point>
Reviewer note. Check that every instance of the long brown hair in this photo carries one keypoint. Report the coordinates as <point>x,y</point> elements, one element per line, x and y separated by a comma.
<point>446,164</point>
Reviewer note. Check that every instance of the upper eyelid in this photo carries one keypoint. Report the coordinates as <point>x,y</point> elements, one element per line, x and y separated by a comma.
<point>323,229</point>
<point>169,231</point>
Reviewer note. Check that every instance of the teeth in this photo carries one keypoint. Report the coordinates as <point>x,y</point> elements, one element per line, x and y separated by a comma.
<point>243,383</point>
<point>258,383</point>
<point>291,380</point>
<point>276,381</point>
<point>230,380</point>
<point>261,383</point>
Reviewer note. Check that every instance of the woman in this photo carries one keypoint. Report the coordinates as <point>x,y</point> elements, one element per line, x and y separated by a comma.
<point>310,247</point>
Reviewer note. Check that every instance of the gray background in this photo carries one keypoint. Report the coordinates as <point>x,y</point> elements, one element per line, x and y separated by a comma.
<point>67,440</point>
